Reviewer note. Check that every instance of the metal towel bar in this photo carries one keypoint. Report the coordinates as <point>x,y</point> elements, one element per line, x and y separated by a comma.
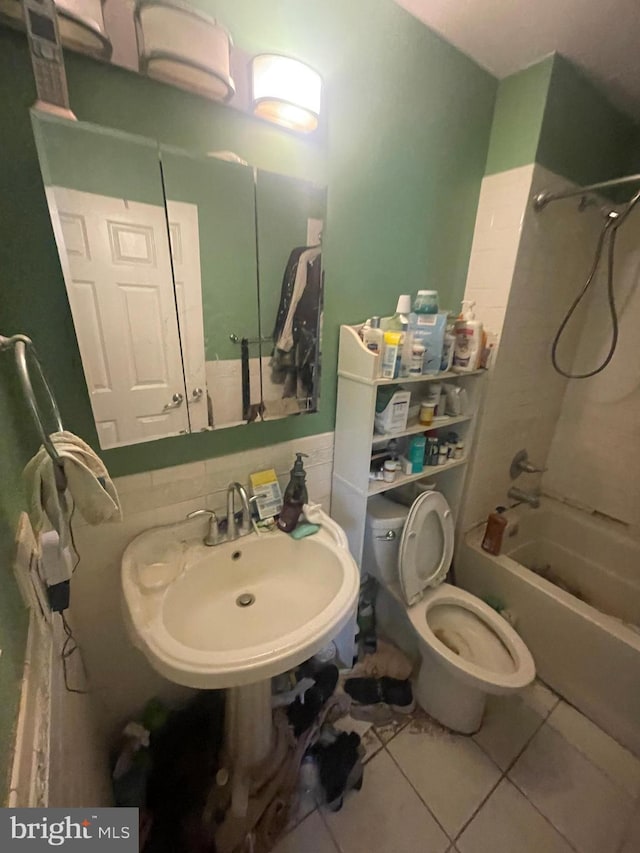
<point>22,345</point>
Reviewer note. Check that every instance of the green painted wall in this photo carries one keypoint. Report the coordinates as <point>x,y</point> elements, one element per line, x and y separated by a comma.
<point>224,194</point>
<point>13,615</point>
<point>91,159</point>
<point>283,206</point>
<point>583,136</point>
<point>402,150</point>
<point>551,114</point>
<point>518,117</point>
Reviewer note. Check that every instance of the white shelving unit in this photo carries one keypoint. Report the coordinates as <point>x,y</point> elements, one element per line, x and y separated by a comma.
<point>357,390</point>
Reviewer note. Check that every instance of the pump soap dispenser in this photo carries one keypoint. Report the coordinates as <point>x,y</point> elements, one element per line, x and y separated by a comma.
<point>295,496</point>
<point>469,340</point>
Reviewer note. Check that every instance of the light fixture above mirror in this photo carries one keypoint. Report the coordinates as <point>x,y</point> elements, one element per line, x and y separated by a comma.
<point>286,92</point>
<point>182,46</point>
<point>81,24</point>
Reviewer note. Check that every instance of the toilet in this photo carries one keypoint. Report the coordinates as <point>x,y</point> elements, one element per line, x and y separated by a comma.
<point>467,650</point>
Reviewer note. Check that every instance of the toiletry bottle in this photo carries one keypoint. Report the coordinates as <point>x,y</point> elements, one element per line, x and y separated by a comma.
<point>400,323</point>
<point>390,356</point>
<point>426,302</point>
<point>469,340</point>
<point>373,339</point>
<point>448,347</point>
<point>295,496</point>
<point>496,523</point>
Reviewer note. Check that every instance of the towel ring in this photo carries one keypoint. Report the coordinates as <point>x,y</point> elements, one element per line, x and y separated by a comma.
<point>21,343</point>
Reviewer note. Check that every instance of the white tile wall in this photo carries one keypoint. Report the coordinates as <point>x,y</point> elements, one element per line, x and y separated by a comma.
<point>224,384</point>
<point>548,256</point>
<point>121,677</point>
<point>495,243</point>
<point>597,441</point>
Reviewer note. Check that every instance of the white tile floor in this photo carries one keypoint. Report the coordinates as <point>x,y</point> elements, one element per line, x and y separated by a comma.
<point>538,778</point>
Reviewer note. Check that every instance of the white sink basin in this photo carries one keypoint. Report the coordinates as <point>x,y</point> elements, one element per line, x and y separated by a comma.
<point>236,613</point>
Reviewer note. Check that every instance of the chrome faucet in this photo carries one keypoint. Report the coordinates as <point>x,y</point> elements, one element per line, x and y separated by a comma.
<point>520,496</point>
<point>245,524</point>
<point>212,535</point>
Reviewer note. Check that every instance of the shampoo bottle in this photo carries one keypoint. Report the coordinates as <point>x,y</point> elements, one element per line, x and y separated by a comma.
<point>468,346</point>
<point>496,523</point>
<point>295,496</point>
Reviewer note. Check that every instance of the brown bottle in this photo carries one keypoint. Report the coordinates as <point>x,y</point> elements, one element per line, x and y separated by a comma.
<point>494,531</point>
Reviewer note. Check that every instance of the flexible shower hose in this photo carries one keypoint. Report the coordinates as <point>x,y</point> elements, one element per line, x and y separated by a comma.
<point>609,229</point>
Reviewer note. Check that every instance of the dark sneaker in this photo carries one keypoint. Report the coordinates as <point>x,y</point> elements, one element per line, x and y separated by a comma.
<point>391,691</point>
<point>364,691</point>
<point>398,694</point>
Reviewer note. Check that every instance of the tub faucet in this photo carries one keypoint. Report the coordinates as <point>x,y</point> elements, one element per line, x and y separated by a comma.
<point>245,524</point>
<point>520,496</point>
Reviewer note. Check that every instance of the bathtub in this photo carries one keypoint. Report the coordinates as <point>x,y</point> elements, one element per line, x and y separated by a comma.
<point>571,581</point>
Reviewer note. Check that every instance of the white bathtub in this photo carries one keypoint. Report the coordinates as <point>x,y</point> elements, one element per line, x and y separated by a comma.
<point>588,652</point>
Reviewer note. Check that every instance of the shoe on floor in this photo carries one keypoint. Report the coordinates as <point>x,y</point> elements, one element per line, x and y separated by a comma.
<point>392,691</point>
<point>336,762</point>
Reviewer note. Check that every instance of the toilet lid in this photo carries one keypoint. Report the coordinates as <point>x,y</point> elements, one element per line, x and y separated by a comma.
<point>426,546</point>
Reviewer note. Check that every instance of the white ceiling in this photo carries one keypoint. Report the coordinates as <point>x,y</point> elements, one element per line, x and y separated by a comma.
<point>600,36</point>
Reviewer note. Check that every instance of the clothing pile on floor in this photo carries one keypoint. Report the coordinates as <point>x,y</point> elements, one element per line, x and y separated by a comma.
<point>178,774</point>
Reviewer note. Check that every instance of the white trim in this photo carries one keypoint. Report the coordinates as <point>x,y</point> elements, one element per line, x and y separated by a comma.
<point>29,785</point>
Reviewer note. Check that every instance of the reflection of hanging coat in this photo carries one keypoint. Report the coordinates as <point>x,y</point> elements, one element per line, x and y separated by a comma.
<point>297,323</point>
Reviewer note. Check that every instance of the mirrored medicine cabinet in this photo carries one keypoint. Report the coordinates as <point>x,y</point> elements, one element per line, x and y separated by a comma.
<point>195,283</point>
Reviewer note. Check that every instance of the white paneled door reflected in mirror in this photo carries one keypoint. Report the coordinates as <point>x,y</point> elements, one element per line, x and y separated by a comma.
<point>195,284</point>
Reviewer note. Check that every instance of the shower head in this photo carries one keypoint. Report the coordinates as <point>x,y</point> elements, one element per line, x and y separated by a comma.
<point>621,216</point>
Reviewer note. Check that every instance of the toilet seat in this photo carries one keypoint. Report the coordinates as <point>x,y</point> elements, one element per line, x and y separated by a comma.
<point>489,674</point>
<point>426,546</point>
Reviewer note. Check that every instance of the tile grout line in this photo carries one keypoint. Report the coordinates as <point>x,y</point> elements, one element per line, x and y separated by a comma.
<point>531,803</point>
<point>615,782</point>
<point>543,816</point>
<point>503,774</point>
<point>419,796</point>
<point>334,840</point>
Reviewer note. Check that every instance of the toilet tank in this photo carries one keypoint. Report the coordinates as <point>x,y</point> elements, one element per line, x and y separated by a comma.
<point>385,520</point>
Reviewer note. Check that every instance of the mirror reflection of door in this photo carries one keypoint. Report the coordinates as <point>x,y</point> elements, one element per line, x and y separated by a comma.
<point>106,205</point>
<point>290,216</point>
<point>220,198</point>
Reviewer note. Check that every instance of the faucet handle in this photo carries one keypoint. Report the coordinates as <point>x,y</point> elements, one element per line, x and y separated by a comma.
<point>520,464</point>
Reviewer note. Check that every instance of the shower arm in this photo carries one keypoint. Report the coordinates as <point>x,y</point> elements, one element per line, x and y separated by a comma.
<point>542,199</point>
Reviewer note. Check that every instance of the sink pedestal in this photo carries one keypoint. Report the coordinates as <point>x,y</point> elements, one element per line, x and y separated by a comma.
<point>249,735</point>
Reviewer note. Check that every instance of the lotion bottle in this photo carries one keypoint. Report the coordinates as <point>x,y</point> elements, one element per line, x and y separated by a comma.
<point>373,339</point>
<point>469,340</point>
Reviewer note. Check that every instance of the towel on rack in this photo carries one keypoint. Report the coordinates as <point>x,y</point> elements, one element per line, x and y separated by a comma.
<point>88,483</point>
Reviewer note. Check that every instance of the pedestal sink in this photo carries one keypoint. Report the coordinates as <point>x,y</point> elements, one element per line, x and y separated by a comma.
<point>235,614</point>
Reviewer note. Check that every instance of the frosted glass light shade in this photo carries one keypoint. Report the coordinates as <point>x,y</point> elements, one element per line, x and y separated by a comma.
<point>286,92</point>
<point>183,46</point>
<point>80,23</point>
